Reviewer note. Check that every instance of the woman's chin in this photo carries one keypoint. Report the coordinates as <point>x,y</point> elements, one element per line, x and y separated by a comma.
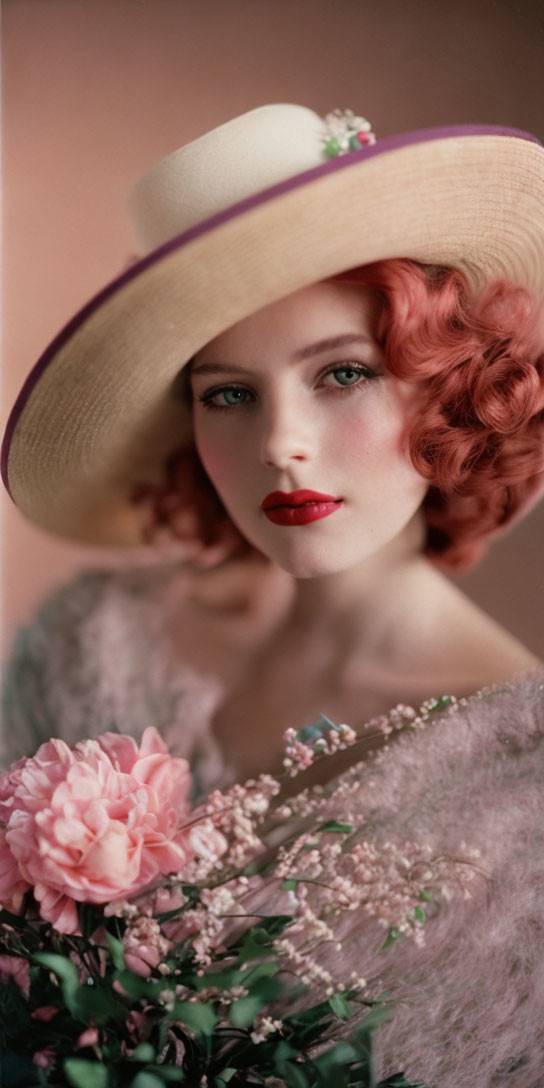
<point>301,563</point>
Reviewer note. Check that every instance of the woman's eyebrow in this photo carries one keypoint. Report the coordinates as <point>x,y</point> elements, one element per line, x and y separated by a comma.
<point>218,368</point>
<point>332,342</point>
<point>320,346</point>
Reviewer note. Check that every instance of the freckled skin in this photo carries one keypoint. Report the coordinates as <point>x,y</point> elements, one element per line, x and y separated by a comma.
<point>297,424</point>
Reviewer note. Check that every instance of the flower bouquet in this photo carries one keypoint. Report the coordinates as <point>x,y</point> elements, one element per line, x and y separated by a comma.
<point>145,941</point>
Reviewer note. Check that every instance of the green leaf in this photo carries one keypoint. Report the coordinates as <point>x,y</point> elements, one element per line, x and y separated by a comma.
<point>89,918</point>
<point>85,1003</point>
<point>257,945</point>
<point>378,1015</point>
<point>98,1004</point>
<point>340,1006</point>
<point>146,1080</point>
<point>398,1080</point>
<point>84,1074</point>
<point>335,825</point>
<point>353,1051</point>
<point>167,1072</point>
<point>197,1017</point>
<point>293,1075</point>
<point>283,1051</point>
<point>265,969</point>
<point>419,914</point>
<point>168,915</point>
<point>243,1012</point>
<point>225,1075</point>
<point>309,732</point>
<point>135,986</point>
<point>289,885</point>
<point>426,895</point>
<point>116,950</point>
<point>223,980</point>
<point>144,1052</point>
<point>316,729</point>
<point>62,967</point>
<point>393,935</point>
<point>274,924</point>
<point>334,1062</point>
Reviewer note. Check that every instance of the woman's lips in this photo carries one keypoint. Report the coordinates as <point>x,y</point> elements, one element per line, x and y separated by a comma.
<point>298,507</point>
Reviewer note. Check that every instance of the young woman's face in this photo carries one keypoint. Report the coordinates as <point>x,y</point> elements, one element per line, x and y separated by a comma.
<point>296,399</point>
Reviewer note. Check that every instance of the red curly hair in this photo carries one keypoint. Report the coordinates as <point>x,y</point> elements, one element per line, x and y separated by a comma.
<point>478,434</point>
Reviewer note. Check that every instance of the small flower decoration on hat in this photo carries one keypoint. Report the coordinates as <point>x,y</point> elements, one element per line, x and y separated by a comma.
<point>344,132</point>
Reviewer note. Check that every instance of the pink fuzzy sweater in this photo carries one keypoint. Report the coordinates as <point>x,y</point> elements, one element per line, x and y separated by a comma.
<point>470,1010</point>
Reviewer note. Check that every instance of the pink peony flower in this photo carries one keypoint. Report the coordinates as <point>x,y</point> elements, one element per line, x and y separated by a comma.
<point>89,1037</point>
<point>44,1059</point>
<point>44,1013</point>
<point>167,899</point>
<point>12,885</point>
<point>142,960</point>
<point>100,822</point>
<point>138,1025</point>
<point>18,969</point>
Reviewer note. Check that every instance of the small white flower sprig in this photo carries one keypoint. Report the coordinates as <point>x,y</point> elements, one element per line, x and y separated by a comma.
<point>328,870</point>
<point>303,746</point>
<point>345,132</point>
<point>325,738</point>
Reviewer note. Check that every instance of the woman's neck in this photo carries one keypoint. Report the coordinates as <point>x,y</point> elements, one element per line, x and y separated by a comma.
<point>360,597</point>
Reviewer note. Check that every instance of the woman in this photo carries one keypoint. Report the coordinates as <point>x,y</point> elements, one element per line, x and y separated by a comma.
<point>362,321</point>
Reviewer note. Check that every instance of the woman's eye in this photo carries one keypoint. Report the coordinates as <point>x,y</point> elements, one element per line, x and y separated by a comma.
<point>234,396</point>
<point>348,375</point>
<point>336,377</point>
<point>228,397</point>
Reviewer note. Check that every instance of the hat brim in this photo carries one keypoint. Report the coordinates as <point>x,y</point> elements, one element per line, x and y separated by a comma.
<point>99,413</point>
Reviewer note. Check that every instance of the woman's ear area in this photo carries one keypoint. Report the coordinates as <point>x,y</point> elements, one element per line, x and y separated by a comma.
<point>184,516</point>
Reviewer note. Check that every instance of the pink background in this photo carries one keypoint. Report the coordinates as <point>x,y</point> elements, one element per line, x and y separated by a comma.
<point>96,90</point>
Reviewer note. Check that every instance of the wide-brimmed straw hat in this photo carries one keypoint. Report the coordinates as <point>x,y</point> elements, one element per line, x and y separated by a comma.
<point>260,207</point>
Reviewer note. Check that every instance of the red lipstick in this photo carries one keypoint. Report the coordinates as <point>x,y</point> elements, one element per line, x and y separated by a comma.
<point>298,507</point>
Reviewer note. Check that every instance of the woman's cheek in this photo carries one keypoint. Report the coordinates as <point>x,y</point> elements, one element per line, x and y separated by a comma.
<point>221,463</point>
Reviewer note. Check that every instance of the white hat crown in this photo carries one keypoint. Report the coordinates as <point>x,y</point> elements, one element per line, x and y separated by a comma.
<point>261,148</point>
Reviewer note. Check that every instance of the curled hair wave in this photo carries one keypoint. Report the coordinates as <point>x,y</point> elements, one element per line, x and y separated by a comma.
<point>477,434</point>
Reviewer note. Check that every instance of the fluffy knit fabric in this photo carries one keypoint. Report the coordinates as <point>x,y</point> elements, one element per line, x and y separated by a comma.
<point>470,1010</point>
<point>97,657</point>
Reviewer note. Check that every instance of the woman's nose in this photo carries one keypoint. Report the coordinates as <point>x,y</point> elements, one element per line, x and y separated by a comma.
<point>287,436</point>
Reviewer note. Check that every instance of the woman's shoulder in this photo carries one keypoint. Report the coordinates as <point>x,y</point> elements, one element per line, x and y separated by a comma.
<point>94,606</point>
<point>110,594</point>
<point>458,644</point>
<point>96,656</point>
